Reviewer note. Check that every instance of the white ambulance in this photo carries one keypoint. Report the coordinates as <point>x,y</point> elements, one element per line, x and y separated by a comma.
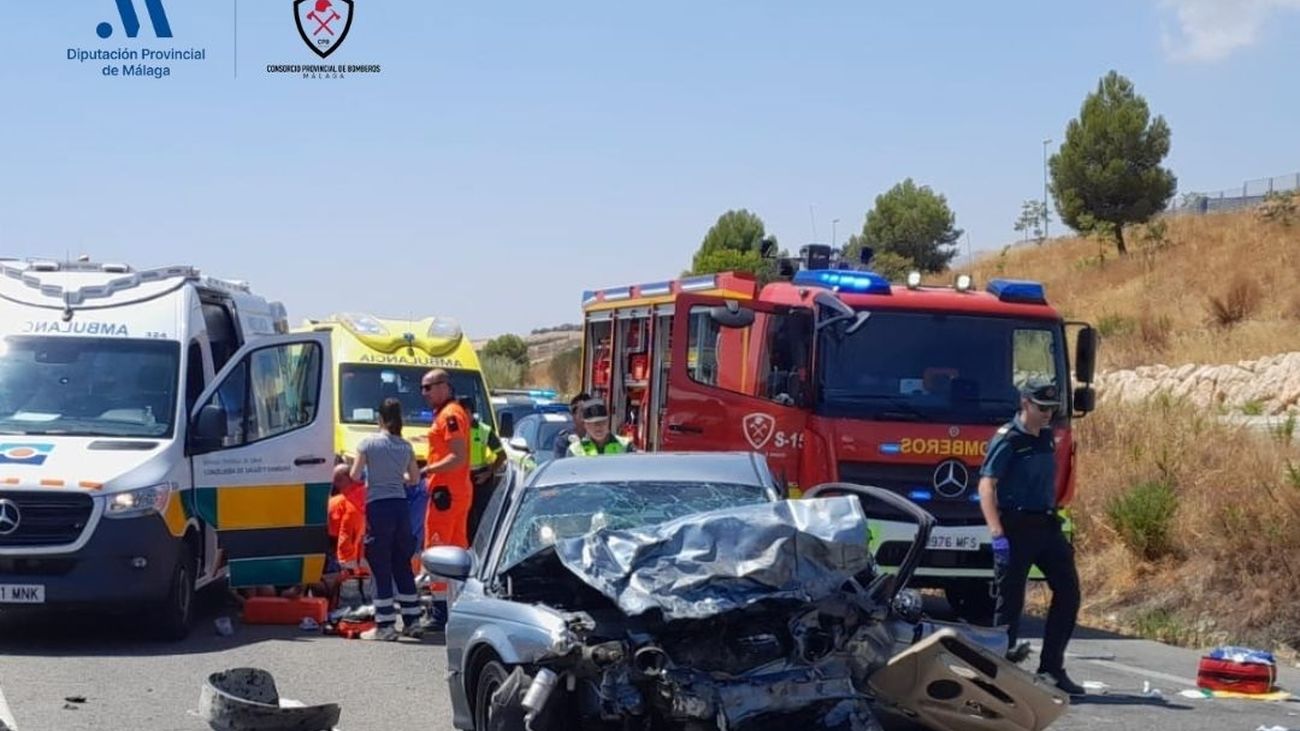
<point>159,430</point>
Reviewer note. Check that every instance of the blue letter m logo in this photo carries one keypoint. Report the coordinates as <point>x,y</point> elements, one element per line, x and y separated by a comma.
<point>131,21</point>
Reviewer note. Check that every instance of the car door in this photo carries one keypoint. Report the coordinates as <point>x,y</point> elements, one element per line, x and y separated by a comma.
<point>947,681</point>
<point>739,380</point>
<point>261,443</point>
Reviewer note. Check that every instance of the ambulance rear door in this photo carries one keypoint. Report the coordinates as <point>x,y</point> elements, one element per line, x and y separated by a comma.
<point>739,380</point>
<point>261,441</point>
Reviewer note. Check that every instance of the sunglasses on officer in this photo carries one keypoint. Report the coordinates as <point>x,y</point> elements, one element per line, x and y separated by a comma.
<point>429,386</point>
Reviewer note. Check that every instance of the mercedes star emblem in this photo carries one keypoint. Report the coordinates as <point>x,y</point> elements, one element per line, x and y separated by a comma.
<point>951,478</point>
<point>9,517</point>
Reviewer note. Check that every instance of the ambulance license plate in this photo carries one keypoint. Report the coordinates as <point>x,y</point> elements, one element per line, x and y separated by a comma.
<point>954,543</point>
<point>22,594</point>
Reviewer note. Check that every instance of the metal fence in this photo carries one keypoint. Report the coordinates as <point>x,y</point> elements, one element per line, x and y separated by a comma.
<point>1249,193</point>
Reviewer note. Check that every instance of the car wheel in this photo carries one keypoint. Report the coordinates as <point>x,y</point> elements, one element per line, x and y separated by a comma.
<point>175,615</point>
<point>971,600</point>
<point>490,679</point>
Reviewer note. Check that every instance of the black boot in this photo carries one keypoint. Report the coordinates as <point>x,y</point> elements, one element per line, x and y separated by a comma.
<point>1062,681</point>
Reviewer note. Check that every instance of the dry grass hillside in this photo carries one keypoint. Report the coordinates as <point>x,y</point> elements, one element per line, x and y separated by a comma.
<point>1189,526</point>
<point>1193,289</point>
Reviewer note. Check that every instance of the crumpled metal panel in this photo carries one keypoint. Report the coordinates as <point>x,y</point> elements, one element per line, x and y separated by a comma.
<point>715,562</point>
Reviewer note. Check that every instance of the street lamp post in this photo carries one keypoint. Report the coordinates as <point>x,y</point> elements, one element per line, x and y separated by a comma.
<point>833,223</point>
<point>1046,217</point>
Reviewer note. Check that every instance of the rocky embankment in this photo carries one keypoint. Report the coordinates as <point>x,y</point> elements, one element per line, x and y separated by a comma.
<point>1268,386</point>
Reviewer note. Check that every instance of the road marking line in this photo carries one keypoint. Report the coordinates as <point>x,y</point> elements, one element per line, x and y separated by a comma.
<point>1144,673</point>
<point>1130,669</point>
<point>7,721</point>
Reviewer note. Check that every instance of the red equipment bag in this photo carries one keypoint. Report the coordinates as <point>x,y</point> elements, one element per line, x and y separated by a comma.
<point>282,610</point>
<point>1235,676</point>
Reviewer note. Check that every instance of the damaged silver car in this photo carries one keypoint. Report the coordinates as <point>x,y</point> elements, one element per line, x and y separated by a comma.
<point>680,591</point>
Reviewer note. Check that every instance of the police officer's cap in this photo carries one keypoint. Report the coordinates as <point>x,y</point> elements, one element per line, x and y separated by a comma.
<point>1041,391</point>
<point>594,410</point>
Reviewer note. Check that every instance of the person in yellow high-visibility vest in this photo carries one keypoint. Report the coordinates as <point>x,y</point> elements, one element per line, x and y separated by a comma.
<point>599,439</point>
<point>486,456</point>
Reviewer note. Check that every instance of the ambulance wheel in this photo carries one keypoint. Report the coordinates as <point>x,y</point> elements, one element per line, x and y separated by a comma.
<point>175,615</point>
<point>971,600</point>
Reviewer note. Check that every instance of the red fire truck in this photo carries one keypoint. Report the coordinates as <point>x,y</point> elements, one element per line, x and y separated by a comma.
<point>838,375</point>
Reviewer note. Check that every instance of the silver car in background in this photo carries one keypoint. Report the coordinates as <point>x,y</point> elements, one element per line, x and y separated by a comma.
<point>682,591</point>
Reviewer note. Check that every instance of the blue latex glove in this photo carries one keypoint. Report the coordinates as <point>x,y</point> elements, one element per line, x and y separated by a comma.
<point>1001,551</point>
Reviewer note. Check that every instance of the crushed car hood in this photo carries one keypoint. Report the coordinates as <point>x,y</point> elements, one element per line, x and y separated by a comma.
<point>715,562</point>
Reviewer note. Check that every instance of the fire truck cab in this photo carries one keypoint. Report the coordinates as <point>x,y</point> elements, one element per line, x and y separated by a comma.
<point>837,375</point>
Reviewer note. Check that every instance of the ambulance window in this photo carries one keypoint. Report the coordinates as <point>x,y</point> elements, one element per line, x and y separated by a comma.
<point>232,396</point>
<point>272,391</point>
<point>193,376</point>
<point>223,339</point>
<point>283,385</point>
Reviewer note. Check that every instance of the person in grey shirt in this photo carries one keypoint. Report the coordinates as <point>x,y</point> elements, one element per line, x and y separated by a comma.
<point>387,462</point>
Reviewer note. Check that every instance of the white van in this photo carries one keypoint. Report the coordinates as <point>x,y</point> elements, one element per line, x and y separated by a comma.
<point>159,430</point>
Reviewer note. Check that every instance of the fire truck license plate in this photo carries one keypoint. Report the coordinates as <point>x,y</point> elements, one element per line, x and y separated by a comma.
<point>954,543</point>
<point>22,594</point>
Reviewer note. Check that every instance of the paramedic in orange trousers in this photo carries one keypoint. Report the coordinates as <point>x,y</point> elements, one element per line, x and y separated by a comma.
<point>451,490</point>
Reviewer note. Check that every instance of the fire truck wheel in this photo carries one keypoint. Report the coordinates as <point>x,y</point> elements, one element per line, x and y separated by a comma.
<point>971,600</point>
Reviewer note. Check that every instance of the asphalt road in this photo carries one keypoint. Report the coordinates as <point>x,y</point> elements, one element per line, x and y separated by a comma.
<point>133,683</point>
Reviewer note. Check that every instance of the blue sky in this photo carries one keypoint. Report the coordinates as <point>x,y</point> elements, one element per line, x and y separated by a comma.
<point>509,156</point>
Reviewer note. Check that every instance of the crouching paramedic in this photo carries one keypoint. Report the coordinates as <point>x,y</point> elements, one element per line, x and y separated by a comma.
<point>451,491</point>
<point>347,522</point>
<point>1017,493</point>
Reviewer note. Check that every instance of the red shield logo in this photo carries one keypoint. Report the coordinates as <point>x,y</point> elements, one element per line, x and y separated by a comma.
<point>759,429</point>
<point>323,24</point>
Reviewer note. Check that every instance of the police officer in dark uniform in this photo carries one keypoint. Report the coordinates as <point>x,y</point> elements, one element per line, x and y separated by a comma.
<point>1017,492</point>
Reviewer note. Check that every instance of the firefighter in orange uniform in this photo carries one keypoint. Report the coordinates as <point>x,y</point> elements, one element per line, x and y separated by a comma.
<point>451,490</point>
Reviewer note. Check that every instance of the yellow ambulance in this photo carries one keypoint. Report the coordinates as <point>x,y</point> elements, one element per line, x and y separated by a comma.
<point>376,359</point>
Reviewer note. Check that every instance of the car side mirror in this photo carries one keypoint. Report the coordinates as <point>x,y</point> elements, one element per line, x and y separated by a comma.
<point>209,429</point>
<point>519,443</point>
<point>1085,355</point>
<point>449,562</point>
<point>507,424</point>
<point>1085,399</point>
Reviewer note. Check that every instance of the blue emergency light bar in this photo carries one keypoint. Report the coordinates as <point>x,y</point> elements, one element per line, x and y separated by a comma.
<point>920,496</point>
<point>1018,290</point>
<point>850,281</point>
<point>541,393</point>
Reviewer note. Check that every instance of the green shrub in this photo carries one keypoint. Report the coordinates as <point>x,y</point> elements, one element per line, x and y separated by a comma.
<point>501,372</point>
<point>1109,326</point>
<point>1165,626</point>
<point>1144,517</point>
<point>1253,408</point>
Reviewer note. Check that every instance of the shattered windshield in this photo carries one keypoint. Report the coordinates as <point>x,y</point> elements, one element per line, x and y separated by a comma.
<point>549,514</point>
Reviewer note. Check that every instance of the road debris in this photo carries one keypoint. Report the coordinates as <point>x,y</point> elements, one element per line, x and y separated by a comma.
<point>224,626</point>
<point>246,699</point>
<point>309,625</point>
